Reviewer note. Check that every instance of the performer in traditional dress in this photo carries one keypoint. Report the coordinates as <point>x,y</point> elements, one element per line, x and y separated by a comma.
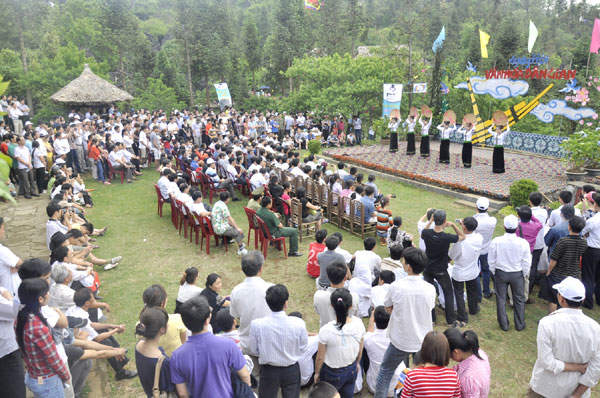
<point>425,125</point>
<point>466,130</point>
<point>410,124</point>
<point>393,126</point>
<point>447,127</point>
<point>498,133</point>
<point>498,130</point>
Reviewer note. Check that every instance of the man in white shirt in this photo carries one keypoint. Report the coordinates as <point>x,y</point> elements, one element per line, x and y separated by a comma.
<point>9,264</point>
<point>486,225</point>
<point>337,273</point>
<point>535,200</point>
<point>510,261</point>
<point>118,163</point>
<point>61,145</point>
<point>27,185</point>
<point>564,198</point>
<point>163,185</point>
<point>248,298</point>
<point>258,178</point>
<point>59,221</point>
<point>465,254</point>
<point>198,207</point>
<point>379,292</point>
<point>568,348</point>
<point>376,343</point>
<point>410,301</point>
<point>590,261</point>
<point>279,341</point>
<point>369,258</point>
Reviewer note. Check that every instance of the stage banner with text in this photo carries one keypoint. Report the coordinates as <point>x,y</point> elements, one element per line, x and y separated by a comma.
<point>392,97</point>
<point>223,95</point>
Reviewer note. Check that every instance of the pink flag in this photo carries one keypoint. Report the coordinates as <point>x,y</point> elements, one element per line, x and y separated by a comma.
<point>595,44</point>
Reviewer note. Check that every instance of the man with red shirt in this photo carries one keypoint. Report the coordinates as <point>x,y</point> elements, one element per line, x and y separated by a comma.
<point>312,267</point>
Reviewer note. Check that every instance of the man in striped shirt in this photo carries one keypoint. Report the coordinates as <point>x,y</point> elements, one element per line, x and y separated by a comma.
<point>279,341</point>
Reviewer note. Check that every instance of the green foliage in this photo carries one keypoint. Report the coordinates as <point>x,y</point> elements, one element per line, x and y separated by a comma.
<point>158,96</point>
<point>261,103</point>
<point>380,126</point>
<point>341,84</point>
<point>582,150</point>
<point>252,49</point>
<point>520,190</point>
<point>506,211</point>
<point>314,146</point>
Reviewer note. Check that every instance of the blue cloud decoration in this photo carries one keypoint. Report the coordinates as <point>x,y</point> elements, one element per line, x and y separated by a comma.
<point>498,88</point>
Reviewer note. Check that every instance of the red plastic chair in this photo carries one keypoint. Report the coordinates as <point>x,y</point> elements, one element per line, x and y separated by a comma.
<point>251,214</point>
<point>113,171</point>
<point>174,214</point>
<point>212,188</point>
<point>266,238</point>
<point>183,217</point>
<point>207,232</point>
<point>160,202</point>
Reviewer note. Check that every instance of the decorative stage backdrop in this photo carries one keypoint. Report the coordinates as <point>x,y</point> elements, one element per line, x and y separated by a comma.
<point>540,144</point>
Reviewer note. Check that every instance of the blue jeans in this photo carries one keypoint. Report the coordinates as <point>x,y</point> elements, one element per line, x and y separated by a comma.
<point>52,387</point>
<point>486,276</point>
<point>342,379</point>
<point>100,170</point>
<point>358,134</point>
<point>391,360</point>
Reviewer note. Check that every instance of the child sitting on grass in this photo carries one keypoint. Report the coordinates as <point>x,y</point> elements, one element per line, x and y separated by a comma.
<point>312,267</point>
<point>384,220</point>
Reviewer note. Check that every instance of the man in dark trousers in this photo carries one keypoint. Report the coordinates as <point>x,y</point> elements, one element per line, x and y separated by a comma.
<point>437,245</point>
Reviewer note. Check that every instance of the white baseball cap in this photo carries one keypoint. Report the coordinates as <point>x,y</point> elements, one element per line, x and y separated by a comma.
<point>483,203</point>
<point>210,161</point>
<point>511,222</point>
<point>571,289</point>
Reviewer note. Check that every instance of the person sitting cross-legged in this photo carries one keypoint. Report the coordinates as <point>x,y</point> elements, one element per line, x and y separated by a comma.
<point>275,226</point>
<point>224,224</point>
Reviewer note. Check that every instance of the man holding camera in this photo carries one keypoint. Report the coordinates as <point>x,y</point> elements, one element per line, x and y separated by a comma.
<point>437,245</point>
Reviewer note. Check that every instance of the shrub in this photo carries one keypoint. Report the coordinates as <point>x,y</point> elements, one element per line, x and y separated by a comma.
<point>314,146</point>
<point>506,211</point>
<point>520,190</point>
<point>380,126</point>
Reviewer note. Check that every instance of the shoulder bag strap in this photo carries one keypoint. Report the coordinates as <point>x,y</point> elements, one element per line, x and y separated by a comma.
<point>155,387</point>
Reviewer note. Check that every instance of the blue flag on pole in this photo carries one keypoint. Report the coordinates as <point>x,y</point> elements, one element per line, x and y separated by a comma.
<point>437,44</point>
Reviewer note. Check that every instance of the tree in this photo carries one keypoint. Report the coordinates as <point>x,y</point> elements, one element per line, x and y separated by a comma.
<point>158,96</point>
<point>252,49</point>
<point>119,28</point>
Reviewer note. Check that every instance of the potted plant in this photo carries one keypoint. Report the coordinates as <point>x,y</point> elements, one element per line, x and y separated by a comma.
<point>591,149</point>
<point>576,155</point>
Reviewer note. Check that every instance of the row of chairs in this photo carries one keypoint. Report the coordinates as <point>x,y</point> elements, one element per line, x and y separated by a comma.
<point>183,219</point>
<point>346,213</point>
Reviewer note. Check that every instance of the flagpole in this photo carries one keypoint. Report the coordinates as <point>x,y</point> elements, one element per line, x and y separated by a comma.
<point>587,67</point>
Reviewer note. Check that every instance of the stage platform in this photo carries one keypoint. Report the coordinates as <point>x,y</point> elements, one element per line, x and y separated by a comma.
<point>547,172</point>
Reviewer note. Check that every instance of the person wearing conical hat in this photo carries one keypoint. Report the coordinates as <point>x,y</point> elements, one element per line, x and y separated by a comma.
<point>446,129</point>
<point>466,131</point>
<point>425,125</point>
<point>410,124</point>
<point>498,133</point>
<point>393,126</point>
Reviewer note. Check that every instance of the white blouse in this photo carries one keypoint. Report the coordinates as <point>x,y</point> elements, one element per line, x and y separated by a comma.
<point>187,291</point>
<point>342,345</point>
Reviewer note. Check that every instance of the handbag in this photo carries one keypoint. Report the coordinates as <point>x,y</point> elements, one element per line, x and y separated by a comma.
<point>155,388</point>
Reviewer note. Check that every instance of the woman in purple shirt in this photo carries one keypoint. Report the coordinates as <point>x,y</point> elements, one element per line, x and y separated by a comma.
<point>473,366</point>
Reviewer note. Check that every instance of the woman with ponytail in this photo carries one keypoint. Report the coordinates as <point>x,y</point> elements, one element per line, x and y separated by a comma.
<point>46,371</point>
<point>151,327</point>
<point>473,366</point>
<point>340,346</point>
<point>187,288</point>
<point>156,297</point>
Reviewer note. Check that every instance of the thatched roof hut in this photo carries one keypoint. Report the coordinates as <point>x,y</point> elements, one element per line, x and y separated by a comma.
<point>89,89</point>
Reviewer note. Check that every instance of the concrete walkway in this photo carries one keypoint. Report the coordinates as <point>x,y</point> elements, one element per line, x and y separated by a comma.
<point>26,237</point>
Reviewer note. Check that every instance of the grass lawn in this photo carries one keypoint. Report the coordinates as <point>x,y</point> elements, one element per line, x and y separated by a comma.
<point>153,252</point>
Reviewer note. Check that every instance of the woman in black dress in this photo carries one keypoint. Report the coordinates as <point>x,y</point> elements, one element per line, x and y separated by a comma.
<point>393,126</point>
<point>216,302</point>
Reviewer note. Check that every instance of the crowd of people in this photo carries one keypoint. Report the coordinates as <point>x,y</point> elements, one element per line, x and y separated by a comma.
<point>245,343</point>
